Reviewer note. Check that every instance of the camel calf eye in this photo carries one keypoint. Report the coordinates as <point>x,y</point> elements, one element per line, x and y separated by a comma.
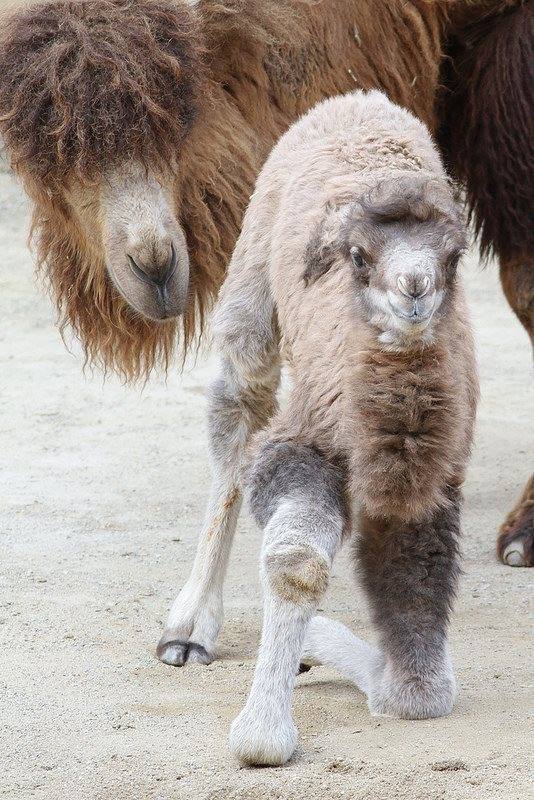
<point>357,258</point>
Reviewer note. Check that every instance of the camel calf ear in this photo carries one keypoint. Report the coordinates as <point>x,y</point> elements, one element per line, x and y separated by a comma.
<point>318,258</point>
<point>326,242</point>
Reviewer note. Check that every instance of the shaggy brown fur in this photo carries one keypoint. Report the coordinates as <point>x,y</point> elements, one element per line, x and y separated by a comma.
<point>88,85</point>
<point>126,80</point>
<point>122,81</point>
<point>113,335</point>
<point>487,133</point>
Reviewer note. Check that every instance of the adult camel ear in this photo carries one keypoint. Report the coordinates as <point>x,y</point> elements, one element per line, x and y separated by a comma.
<point>324,245</point>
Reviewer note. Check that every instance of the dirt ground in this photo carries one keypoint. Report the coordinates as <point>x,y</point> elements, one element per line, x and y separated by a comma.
<point>102,494</point>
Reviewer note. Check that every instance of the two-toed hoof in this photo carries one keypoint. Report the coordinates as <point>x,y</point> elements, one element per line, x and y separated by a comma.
<point>177,652</point>
<point>515,545</point>
<point>262,741</point>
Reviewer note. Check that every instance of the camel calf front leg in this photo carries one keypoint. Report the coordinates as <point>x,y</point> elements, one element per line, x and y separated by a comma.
<point>237,408</point>
<point>297,497</point>
<point>410,572</point>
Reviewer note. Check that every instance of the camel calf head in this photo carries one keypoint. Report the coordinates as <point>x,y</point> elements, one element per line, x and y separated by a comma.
<point>403,240</point>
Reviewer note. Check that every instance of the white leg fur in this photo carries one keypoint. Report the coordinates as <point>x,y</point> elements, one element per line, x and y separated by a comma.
<point>196,616</point>
<point>332,644</point>
<point>299,545</point>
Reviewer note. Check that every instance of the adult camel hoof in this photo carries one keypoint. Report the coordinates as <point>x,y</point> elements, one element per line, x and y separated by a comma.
<point>519,550</point>
<point>515,546</point>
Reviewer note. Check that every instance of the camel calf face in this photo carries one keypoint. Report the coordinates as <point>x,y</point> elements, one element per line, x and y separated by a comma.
<point>402,241</point>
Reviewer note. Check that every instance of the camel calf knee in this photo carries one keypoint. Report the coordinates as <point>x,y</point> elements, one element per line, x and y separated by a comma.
<point>298,573</point>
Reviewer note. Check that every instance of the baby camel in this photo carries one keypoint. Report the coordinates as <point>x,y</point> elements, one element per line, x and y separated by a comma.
<point>345,270</point>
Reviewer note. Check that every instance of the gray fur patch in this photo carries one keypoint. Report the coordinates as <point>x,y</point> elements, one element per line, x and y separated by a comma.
<point>319,257</point>
<point>282,469</point>
<point>235,412</point>
<point>410,572</point>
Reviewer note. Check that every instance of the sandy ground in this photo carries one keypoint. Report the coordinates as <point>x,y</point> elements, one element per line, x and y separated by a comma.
<point>102,493</point>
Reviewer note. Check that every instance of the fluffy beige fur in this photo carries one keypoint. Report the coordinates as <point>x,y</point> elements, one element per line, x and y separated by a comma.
<point>401,412</point>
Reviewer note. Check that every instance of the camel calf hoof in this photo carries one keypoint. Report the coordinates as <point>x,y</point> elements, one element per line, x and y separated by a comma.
<point>177,652</point>
<point>262,736</point>
<point>414,696</point>
<point>192,630</point>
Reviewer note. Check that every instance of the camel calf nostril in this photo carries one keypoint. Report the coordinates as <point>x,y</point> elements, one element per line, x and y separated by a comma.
<point>413,286</point>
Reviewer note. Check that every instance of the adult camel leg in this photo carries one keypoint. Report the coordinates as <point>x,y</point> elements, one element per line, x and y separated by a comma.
<point>515,544</point>
<point>486,133</point>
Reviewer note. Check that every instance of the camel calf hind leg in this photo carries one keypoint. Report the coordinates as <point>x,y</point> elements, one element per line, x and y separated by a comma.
<point>241,401</point>
<point>236,409</point>
<point>297,497</point>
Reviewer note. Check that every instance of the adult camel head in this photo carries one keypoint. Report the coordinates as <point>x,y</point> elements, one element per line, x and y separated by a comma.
<point>96,101</point>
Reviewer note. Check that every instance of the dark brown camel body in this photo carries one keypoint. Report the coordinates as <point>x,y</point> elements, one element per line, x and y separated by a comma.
<point>199,93</point>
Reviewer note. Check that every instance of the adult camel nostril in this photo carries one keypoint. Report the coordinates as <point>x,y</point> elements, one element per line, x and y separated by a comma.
<point>172,265</point>
<point>138,272</point>
<point>161,281</point>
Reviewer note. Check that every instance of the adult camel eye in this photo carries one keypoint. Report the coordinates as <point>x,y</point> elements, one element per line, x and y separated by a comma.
<point>357,258</point>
